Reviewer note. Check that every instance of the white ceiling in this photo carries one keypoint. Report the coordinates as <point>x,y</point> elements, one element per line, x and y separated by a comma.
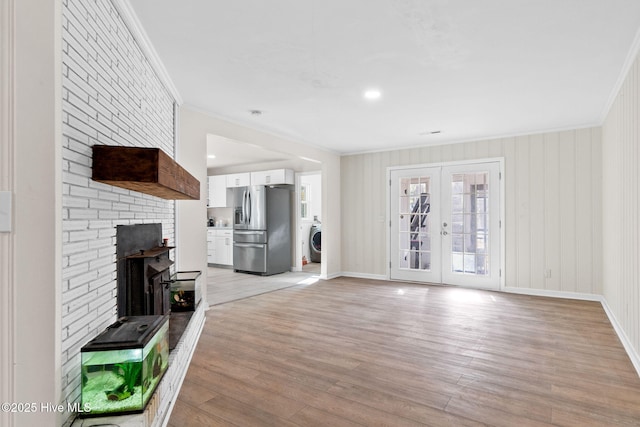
<point>470,69</point>
<point>229,152</point>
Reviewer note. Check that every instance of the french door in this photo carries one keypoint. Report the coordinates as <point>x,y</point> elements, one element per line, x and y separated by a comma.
<point>445,224</point>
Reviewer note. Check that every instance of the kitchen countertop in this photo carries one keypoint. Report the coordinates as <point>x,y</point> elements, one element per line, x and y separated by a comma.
<point>220,228</point>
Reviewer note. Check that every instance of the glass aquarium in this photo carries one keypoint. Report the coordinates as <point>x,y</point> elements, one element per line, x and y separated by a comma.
<point>122,367</point>
<point>185,290</point>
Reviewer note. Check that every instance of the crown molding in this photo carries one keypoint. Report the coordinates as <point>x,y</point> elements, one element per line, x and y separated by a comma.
<point>634,50</point>
<point>132,22</point>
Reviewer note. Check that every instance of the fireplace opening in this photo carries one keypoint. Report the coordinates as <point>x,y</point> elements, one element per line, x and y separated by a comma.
<point>144,270</point>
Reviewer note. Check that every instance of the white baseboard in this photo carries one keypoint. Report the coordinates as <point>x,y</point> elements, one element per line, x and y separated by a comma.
<point>364,275</point>
<point>626,343</point>
<point>553,294</point>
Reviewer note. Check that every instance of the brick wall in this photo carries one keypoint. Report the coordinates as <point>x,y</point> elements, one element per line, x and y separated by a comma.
<point>110,95</point>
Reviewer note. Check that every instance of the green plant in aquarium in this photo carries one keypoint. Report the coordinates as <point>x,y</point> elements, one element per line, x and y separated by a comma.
<point>149,367</point>
<point>130,372</point>
<point>85,378</point>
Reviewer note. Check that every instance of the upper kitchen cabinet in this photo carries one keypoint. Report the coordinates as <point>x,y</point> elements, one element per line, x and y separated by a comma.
<point>272,177</point>
<point>238,179</point>
<point>217,191</point>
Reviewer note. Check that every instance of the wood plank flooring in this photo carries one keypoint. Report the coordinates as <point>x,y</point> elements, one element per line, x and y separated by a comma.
<point>353,352</point>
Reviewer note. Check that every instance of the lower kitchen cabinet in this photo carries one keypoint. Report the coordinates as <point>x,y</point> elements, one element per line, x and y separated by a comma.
<point>211,246</point>
<point>220,247</point>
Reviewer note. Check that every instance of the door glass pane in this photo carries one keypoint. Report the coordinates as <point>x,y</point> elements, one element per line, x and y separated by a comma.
<point>482,243</point>
<point>456,262</point>
<point>470,243</point>
<point>457,223</point>
<point>469,263</point>
<point>481,264</point>
<point>425,260</point>
<point>403,259</point>
<point>425,242</point>
<point>470,223</point>
<point>456,243</point>
<point>404,241</point>
<point>415,223</point>
<point>457,203</point>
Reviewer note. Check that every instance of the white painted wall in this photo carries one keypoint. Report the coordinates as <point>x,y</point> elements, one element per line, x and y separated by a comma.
<point>30,167</point>
<point>191,215</point>
<point>621,198</point>
<point>7,177</point>
<point>553,207</point>
<point>196,125</point>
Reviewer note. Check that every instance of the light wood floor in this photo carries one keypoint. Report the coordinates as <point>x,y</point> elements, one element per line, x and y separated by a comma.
<point>312,267</point>
<point>225,285</point>
<point>349,352</point>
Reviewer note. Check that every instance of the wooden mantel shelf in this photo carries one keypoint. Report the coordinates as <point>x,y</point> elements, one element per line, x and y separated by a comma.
<point>147,170</point>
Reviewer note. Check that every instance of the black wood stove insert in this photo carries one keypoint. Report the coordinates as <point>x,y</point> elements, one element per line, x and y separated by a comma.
<point>143,270</point>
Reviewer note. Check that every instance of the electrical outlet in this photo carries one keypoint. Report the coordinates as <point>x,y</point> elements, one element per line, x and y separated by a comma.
<point>5,211</point>
<point>547,274</point>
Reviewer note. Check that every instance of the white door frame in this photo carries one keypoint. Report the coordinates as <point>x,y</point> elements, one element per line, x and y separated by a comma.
<point>499,160</point>
<point>433,274</point>
<point>297,265</point>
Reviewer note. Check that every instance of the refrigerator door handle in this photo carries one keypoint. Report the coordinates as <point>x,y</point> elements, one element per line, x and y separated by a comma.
<point>244,206</point>
<point>249,206</point>
<point>249,245</point>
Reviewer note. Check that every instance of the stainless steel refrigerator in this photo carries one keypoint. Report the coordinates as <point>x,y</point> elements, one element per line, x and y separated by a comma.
<point>262,229</point>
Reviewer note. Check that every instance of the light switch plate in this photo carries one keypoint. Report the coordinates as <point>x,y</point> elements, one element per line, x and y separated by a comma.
<point>5,211</point>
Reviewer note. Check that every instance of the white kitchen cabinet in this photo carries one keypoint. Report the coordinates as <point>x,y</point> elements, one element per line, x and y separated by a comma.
<point>220,246</point>
<point>217,191</point>
<point>224,247</point>
<point>238,179</point>
<point>271,177</point>
<point>211,246</point>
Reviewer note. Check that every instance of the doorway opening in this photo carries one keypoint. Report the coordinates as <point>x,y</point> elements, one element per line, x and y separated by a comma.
<point>309,222</point>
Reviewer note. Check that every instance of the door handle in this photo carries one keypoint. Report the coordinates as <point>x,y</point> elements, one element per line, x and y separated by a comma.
<point>444,232</point>
<point>244,207</point>
<point>249,245</point>
<point>249,207</point>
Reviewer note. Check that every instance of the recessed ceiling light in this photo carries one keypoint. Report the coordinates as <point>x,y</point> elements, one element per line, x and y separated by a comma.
<point>211,156</point>
<point>372,94</point>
